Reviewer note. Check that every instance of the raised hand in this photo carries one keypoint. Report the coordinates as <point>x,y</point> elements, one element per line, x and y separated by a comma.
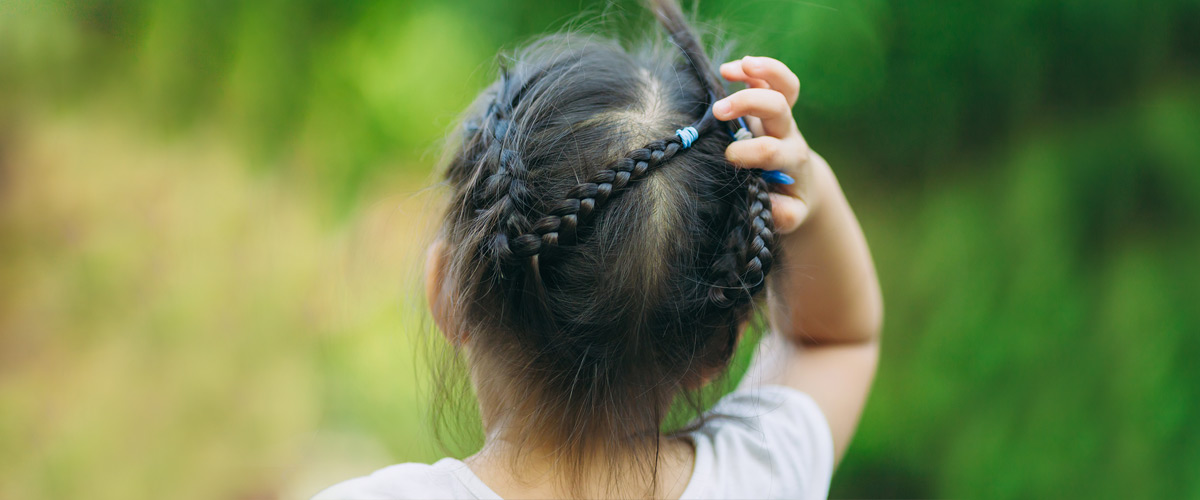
<point>778,145</point>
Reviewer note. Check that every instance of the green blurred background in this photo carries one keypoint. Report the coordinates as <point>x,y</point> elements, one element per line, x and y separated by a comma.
<point>212,216</point>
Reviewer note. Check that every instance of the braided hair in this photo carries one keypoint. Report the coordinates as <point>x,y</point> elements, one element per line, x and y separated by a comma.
<point>603,250</point>
<point>738,275</point>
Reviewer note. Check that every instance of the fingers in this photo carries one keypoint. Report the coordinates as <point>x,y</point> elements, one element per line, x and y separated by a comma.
<point>767,153</point>
<point>788,212</point>
<point>732,71</point>
<point>772,93</point>
<point>768,105</point>
<point>756,71</point>
<point>776,74</point>
<point>786,156</point>
<point>755,126</point>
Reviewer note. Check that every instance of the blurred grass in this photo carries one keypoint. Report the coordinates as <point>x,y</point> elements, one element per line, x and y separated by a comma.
<point>186,323</point>
<point>212,217</point>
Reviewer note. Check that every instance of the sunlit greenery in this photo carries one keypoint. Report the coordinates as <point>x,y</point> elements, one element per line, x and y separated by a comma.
<point>212,217</point>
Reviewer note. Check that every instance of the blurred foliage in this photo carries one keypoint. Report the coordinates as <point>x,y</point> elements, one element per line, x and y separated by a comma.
<point>211,218</point>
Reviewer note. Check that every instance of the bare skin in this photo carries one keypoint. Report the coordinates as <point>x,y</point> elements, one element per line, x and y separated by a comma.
<point>826,310</point>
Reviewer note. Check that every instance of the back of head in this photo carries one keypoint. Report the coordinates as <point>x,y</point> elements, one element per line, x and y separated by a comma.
<point>600,267</point>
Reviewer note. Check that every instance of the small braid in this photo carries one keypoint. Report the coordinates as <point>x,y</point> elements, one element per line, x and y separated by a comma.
<point>507,191</point>
<point>740,272</point>
<point>560,226</point>
<point>503,195</point>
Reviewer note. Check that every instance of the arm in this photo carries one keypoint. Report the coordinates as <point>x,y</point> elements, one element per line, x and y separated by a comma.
<point>825,305</point>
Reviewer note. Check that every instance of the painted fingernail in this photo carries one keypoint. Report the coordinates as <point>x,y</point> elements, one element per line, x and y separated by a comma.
<point>721,107</point>
<point>777,177</point>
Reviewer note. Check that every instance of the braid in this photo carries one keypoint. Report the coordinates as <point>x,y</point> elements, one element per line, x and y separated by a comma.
<point>560,226</point>
<point>740,271</point>
<point>507,191</point>
<point>500,198</point>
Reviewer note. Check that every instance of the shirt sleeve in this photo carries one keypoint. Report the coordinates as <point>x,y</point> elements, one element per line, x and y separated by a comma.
<point>764,442</point>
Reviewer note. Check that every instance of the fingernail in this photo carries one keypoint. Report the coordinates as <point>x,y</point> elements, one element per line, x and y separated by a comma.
<point>721,107</point>
<point>750,62</point>
<point>777,177</point>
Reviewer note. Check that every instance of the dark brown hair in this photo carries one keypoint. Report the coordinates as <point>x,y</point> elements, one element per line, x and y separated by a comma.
<point>601,269</point>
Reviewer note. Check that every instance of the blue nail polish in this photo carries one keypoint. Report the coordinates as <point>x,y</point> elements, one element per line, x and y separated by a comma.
<point>777,177</point>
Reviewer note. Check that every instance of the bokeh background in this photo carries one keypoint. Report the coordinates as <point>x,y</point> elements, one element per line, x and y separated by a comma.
<point>212,215</point>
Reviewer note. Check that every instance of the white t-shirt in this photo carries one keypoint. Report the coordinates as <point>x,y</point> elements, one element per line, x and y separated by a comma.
<point>777,444</point>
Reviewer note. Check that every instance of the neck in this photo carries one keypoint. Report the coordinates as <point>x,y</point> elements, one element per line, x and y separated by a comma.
<point>514,472</point>
<point>517,461</point>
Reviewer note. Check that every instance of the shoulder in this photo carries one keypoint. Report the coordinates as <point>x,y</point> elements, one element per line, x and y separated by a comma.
<point>768,442</point>
<point>396,482</point>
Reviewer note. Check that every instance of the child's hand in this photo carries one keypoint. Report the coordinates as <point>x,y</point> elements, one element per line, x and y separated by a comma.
<point>777,144</point>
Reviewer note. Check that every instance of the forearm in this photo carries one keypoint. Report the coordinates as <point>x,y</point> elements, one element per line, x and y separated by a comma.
<point>824,289</point>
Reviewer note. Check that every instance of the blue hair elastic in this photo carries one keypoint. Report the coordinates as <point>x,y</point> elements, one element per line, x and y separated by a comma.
<point>687,135</point>
<point>777,177</point>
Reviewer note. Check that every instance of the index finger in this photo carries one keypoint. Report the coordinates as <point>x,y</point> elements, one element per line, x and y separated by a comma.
<point>768,105</point>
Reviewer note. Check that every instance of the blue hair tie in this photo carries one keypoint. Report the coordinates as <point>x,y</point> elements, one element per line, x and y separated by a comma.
<point>687,135</point>
<point>777,177</point>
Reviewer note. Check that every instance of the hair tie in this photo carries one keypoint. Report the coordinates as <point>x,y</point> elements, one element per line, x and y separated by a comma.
<point>777,177</point>
<point>687,135</point>
<point>743,131</point>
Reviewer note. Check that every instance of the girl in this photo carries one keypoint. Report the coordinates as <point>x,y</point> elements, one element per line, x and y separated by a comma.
<point>601,256</point>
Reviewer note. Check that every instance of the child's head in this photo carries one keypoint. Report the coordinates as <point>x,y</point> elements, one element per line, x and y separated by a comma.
<point>592,266</point>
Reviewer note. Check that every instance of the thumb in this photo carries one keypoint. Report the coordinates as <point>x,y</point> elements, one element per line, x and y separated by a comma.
<point>788,212</point>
